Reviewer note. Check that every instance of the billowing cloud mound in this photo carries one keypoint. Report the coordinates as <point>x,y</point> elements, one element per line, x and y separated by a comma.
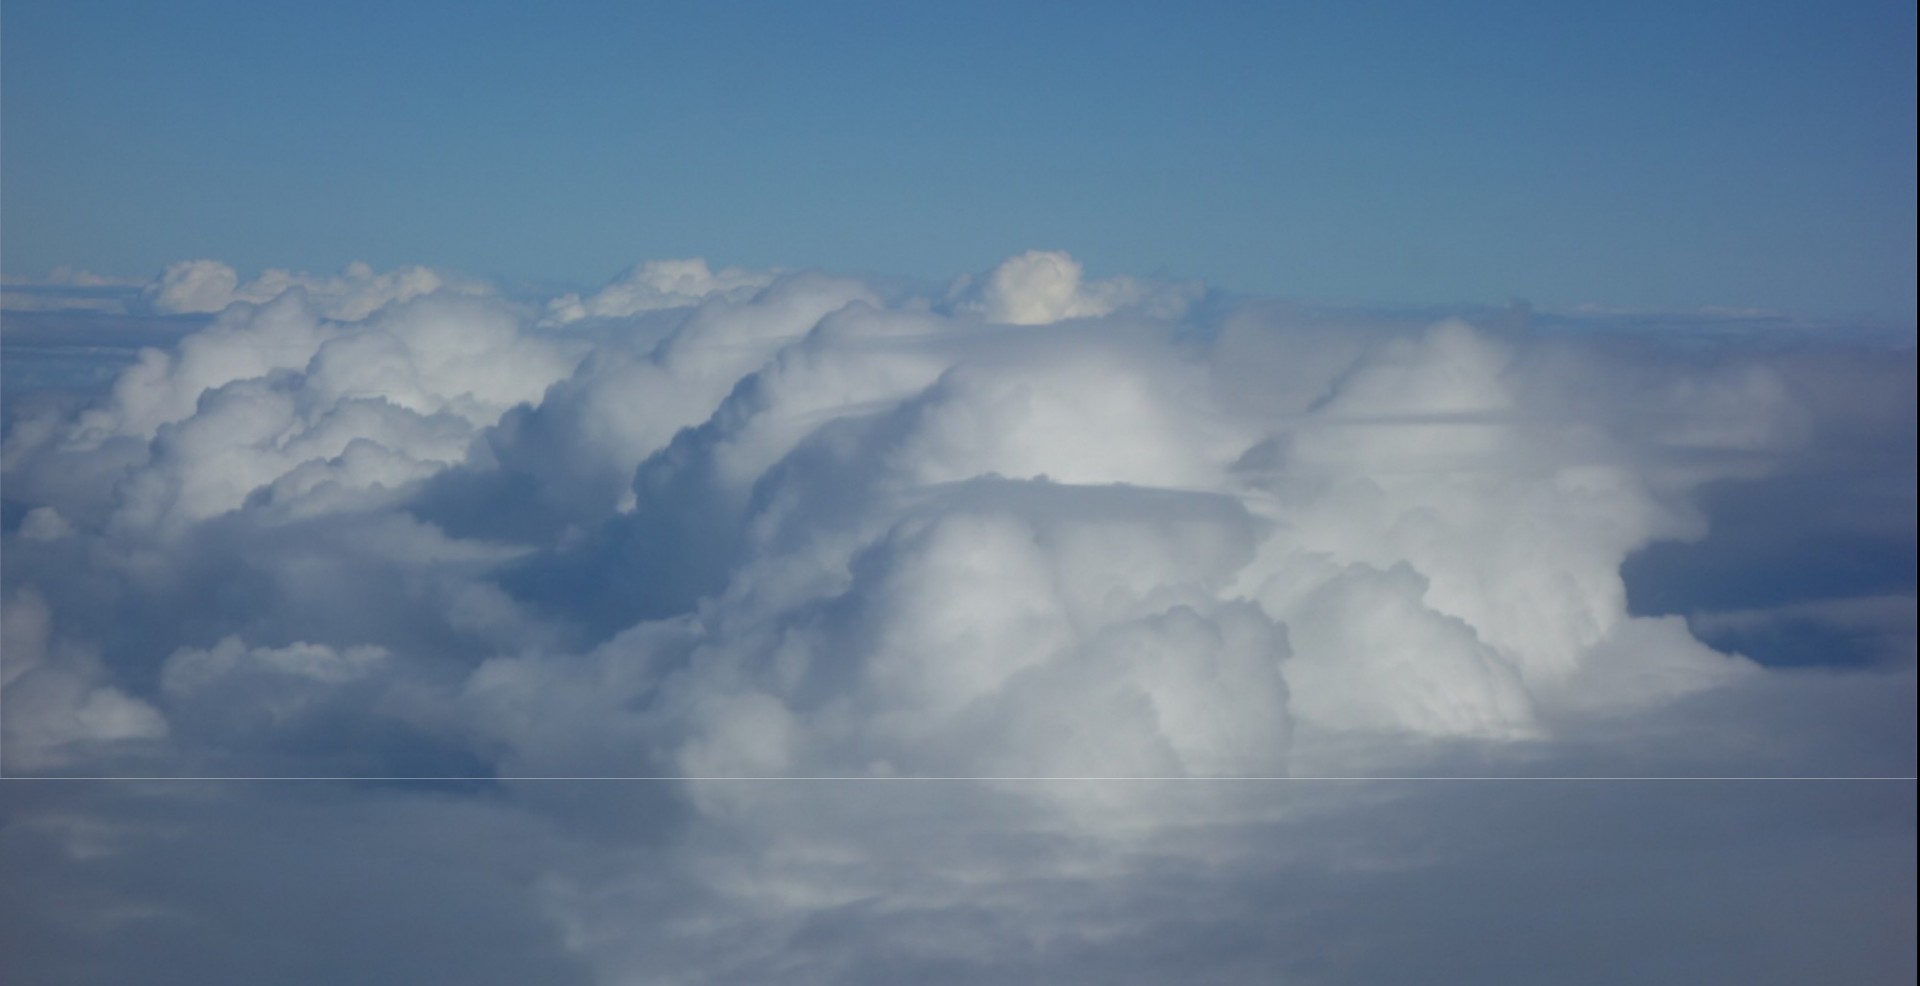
<point>710,525</point>
<point>797,529</point>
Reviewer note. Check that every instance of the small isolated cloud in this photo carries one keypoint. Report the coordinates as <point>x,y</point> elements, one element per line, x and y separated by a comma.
<point>193,286</point>
<point>1043,286</point>
<point>704,526</point>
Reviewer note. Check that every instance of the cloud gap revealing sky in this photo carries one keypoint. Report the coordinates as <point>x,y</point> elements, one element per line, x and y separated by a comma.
<point>1040,493</point>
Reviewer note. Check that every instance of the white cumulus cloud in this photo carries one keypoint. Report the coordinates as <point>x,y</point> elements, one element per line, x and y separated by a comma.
<point>1043,286</point>
<point>887,536</point>
<point>710,525</point>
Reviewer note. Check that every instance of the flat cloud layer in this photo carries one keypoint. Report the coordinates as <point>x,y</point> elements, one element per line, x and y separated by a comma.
<point>707,525</point>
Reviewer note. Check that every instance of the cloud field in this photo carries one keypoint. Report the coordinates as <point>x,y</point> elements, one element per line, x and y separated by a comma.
<point>719,524</point>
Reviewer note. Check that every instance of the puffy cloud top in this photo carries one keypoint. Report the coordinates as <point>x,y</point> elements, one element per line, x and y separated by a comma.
<point>847,535</point>
<point>659,284</point>
<point>207,286</point>
<point>1043,286</point>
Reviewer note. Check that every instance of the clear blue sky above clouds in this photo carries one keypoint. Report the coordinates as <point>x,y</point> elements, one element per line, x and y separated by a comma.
<point>1732,154</point>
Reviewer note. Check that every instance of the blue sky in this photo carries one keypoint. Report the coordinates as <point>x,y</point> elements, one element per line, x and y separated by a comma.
<point>1741,154</point>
